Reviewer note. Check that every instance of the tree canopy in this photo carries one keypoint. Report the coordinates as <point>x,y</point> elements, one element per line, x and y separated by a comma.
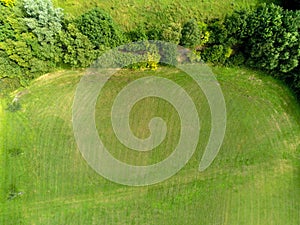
<point>101,30</point>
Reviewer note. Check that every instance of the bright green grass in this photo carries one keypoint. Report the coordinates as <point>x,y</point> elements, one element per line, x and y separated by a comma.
<point>255,178</point>
<point>128,13</point>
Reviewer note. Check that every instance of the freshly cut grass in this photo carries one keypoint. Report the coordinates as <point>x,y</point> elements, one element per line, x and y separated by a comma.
<point>253,180</point>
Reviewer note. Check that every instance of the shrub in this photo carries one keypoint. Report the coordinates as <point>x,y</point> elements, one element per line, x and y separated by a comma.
<point>28,44</point>
<point>268,36</point>
<point>218,33</point>
<point>236,24</point>
<point>172,33</point>
<point>236,59</point>
<point>153,31</point>
<point>168,53</point>
<point>292,79</point>
<point>146,53</point>
<point>43,19</point>
<point>194,56</point>
<point>33,58</point>
<point>77,50</point>
<point>6,23</point>
<point>45,22</point>
<point>190,34</point>
<point>7,85</point>
<point>215,54</point>
<point>273,40</point>
<point>138,34</point>
<point>228,52</point>
<point>101,30</point>
<point>8,68</point>
<point>204,33</point>
<point>152,61</point>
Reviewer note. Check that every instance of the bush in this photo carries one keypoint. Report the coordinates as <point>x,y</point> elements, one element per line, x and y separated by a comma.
<point>236,25</point>
<point>8,68</point>
<point>273,40</point>
<point>168,53</point>
<point>190,34</point>
<point>292,79</point>
<point>6,23</point>
<point>28,44</point>
<point>101,30</point>
<point>194,56</point>
<point>218,33</point>
<point>204,33</point>
<point>172,33</point>
<point>138,34</point>
<point>215,54</point>
<point>77,50</point>
<point>146,53</point>
<point>43,19</point>
<point>7,85</point>
<point>268,36</point>
<point>34,59</point>
<point>153,31</point>
<point>237,59</point>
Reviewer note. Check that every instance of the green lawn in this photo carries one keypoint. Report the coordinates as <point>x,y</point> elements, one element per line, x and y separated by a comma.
<point>128,13</point>
<point>255,179</point>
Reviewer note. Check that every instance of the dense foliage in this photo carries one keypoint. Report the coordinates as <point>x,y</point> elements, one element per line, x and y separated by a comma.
<point>78,51</point>
<point>16,45</point>
<point>36,37</point>
<point>268,38</point>
<point>101,30</point>
<point>43,19</point>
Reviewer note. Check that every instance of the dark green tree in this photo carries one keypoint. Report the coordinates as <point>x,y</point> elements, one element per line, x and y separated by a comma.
<point>101,30</point>
<point>77,50</point>
<point>271,39</point>
<point>137,34</point>
<point>190,34</point>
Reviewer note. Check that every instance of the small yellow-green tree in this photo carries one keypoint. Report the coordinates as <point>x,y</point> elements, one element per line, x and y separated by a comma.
<point>8,2</point>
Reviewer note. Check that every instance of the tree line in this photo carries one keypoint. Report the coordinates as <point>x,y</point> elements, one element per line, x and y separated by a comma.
<point>36,37</point>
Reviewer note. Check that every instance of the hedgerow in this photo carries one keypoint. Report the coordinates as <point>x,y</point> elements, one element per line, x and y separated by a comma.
<point>36,37</point>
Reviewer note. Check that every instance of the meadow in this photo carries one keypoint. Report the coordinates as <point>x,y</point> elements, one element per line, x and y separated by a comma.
<point>130,13</point>
<point>44,179</point>
<point>253,180</point>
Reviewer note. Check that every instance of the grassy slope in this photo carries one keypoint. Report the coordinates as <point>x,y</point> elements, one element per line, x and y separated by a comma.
<point>128,13</point>
<point>254,179</point>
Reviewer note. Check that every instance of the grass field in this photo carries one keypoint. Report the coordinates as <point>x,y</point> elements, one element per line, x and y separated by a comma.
<point>128,13</point>
<point>255,178</point>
